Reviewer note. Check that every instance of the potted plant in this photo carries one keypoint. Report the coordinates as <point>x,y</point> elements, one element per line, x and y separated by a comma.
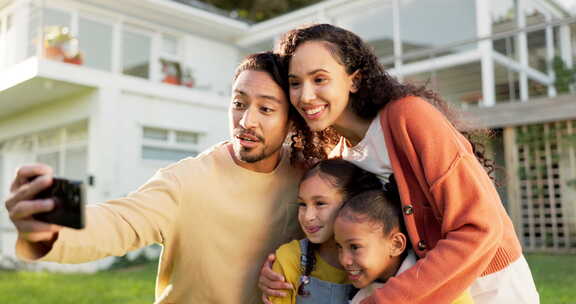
<point>187,78</point>
<point>60,45</point>
<point>171,72</point>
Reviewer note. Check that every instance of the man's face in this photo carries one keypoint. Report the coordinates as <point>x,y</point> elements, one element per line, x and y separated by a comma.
<point>259,117</point>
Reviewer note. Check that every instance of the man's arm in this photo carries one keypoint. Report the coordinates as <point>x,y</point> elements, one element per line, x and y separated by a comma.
<point>112,228</point>
<point>286,265</point>
<point>272,283</point>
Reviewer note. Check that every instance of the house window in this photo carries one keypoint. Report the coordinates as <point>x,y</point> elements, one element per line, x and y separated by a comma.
<point>8,38</point>
<point>171,60</point>
<point>51,159</point>
<point>63,149</point>
<point>3,184</point>
<point>96,43</point>
<point>136,53</point>
<point>3,42</point>
<point>56,17</point>
<point>155,134</point>
<point>60,41</point>
<point>169,145</point>
<point>170,45</point>
<point>187,137</point>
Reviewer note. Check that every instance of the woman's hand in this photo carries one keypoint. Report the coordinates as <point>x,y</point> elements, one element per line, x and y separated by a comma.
<point>270,282</point>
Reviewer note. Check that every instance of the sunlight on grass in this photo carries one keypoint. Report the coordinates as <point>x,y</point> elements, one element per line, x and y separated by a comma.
<point>134,285</point>
<point>555,277</point>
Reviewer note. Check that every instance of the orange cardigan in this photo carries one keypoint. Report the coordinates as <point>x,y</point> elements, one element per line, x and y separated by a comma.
<point>455,220</point>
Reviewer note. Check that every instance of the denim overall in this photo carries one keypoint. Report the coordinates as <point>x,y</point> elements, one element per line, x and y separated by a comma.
<point>318,291</point>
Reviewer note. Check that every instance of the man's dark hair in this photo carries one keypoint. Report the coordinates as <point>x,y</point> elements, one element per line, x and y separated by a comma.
<point>268,62</point>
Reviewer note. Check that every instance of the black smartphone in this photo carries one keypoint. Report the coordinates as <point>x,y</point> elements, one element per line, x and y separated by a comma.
<point>68,196</point>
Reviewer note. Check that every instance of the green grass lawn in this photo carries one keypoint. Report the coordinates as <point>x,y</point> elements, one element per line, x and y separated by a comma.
<point>555,277</point>
<point>130,285</point>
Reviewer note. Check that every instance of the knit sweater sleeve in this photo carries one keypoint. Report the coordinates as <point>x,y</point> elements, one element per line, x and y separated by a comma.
<point>462,197</point>
<point>115,227</point>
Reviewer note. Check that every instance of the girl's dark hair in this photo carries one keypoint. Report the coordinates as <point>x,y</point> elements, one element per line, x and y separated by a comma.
<point>345,176</point>
<point>376,88</point>
<point>380,206</point>
<point>277,68</point>
<point>350,180</point>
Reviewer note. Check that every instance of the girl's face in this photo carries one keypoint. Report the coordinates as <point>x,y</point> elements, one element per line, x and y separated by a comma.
<point>319,85</point>
<point>365,252</point>
<point>318,204</point>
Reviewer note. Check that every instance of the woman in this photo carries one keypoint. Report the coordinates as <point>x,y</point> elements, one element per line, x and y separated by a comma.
<point>454,217</point>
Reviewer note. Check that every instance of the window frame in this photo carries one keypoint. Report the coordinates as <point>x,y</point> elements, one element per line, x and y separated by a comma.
<point>170,143</point>
<point>136,29</point>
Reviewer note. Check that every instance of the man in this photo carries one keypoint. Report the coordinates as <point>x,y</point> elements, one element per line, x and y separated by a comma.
<point>216,215</point>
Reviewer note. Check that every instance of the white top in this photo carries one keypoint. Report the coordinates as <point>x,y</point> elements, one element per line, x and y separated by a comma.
<point>365,292</point>
<point>370,153</point>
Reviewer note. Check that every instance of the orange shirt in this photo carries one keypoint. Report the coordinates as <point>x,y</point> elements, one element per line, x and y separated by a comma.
<point>454,216</point>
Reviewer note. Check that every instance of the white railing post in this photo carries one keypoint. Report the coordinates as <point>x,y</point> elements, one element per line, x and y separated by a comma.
<point>550,56</point>
<point>484,29</point>
<point>522,49</point>
<point>396,36</point>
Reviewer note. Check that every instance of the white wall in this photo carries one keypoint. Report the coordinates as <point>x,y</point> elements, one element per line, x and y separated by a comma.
<point>137,111</point>
<point>46,116</point>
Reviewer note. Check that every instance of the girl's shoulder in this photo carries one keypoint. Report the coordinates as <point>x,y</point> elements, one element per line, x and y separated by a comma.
<point>288,262</point>
<point>290,248</point>
<point>288,255</point>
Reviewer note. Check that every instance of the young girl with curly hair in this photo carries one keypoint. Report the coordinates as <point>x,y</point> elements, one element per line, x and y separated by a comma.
<point>455,220</point>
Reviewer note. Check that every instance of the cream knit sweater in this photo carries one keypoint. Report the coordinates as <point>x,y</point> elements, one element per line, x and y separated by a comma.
<point>216,221</point>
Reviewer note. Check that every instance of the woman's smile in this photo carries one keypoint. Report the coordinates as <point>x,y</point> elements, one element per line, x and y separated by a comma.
<point>314,112</point>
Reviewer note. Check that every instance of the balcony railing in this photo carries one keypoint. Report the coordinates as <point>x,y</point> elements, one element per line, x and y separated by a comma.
<point>32,29</point>
<point>513,66</point>
<point>531,62</point>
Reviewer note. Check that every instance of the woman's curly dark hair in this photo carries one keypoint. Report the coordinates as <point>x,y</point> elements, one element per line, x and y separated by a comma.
<point>376,88</point>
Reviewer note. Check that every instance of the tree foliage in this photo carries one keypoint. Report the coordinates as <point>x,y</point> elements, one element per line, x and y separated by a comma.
<point>259,10</point>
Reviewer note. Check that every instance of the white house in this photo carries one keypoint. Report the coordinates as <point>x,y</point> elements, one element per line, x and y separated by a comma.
<point>109,91</point>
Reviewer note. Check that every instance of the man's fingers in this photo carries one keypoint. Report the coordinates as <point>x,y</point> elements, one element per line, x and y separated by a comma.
<point>272,279</point>
<point>26,172</point>
<point>265,299</point>
<point>275,284</point>
<point>34,226</point>
<point>265,283</point>
<point>25,209</point>
<point>28,190</point>
<point>270,259</point>
<point>36,231</point>
<point>273,293</point>
<point>39,236</point>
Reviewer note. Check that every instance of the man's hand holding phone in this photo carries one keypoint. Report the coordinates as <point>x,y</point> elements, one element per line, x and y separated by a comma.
<point>34,216</point>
